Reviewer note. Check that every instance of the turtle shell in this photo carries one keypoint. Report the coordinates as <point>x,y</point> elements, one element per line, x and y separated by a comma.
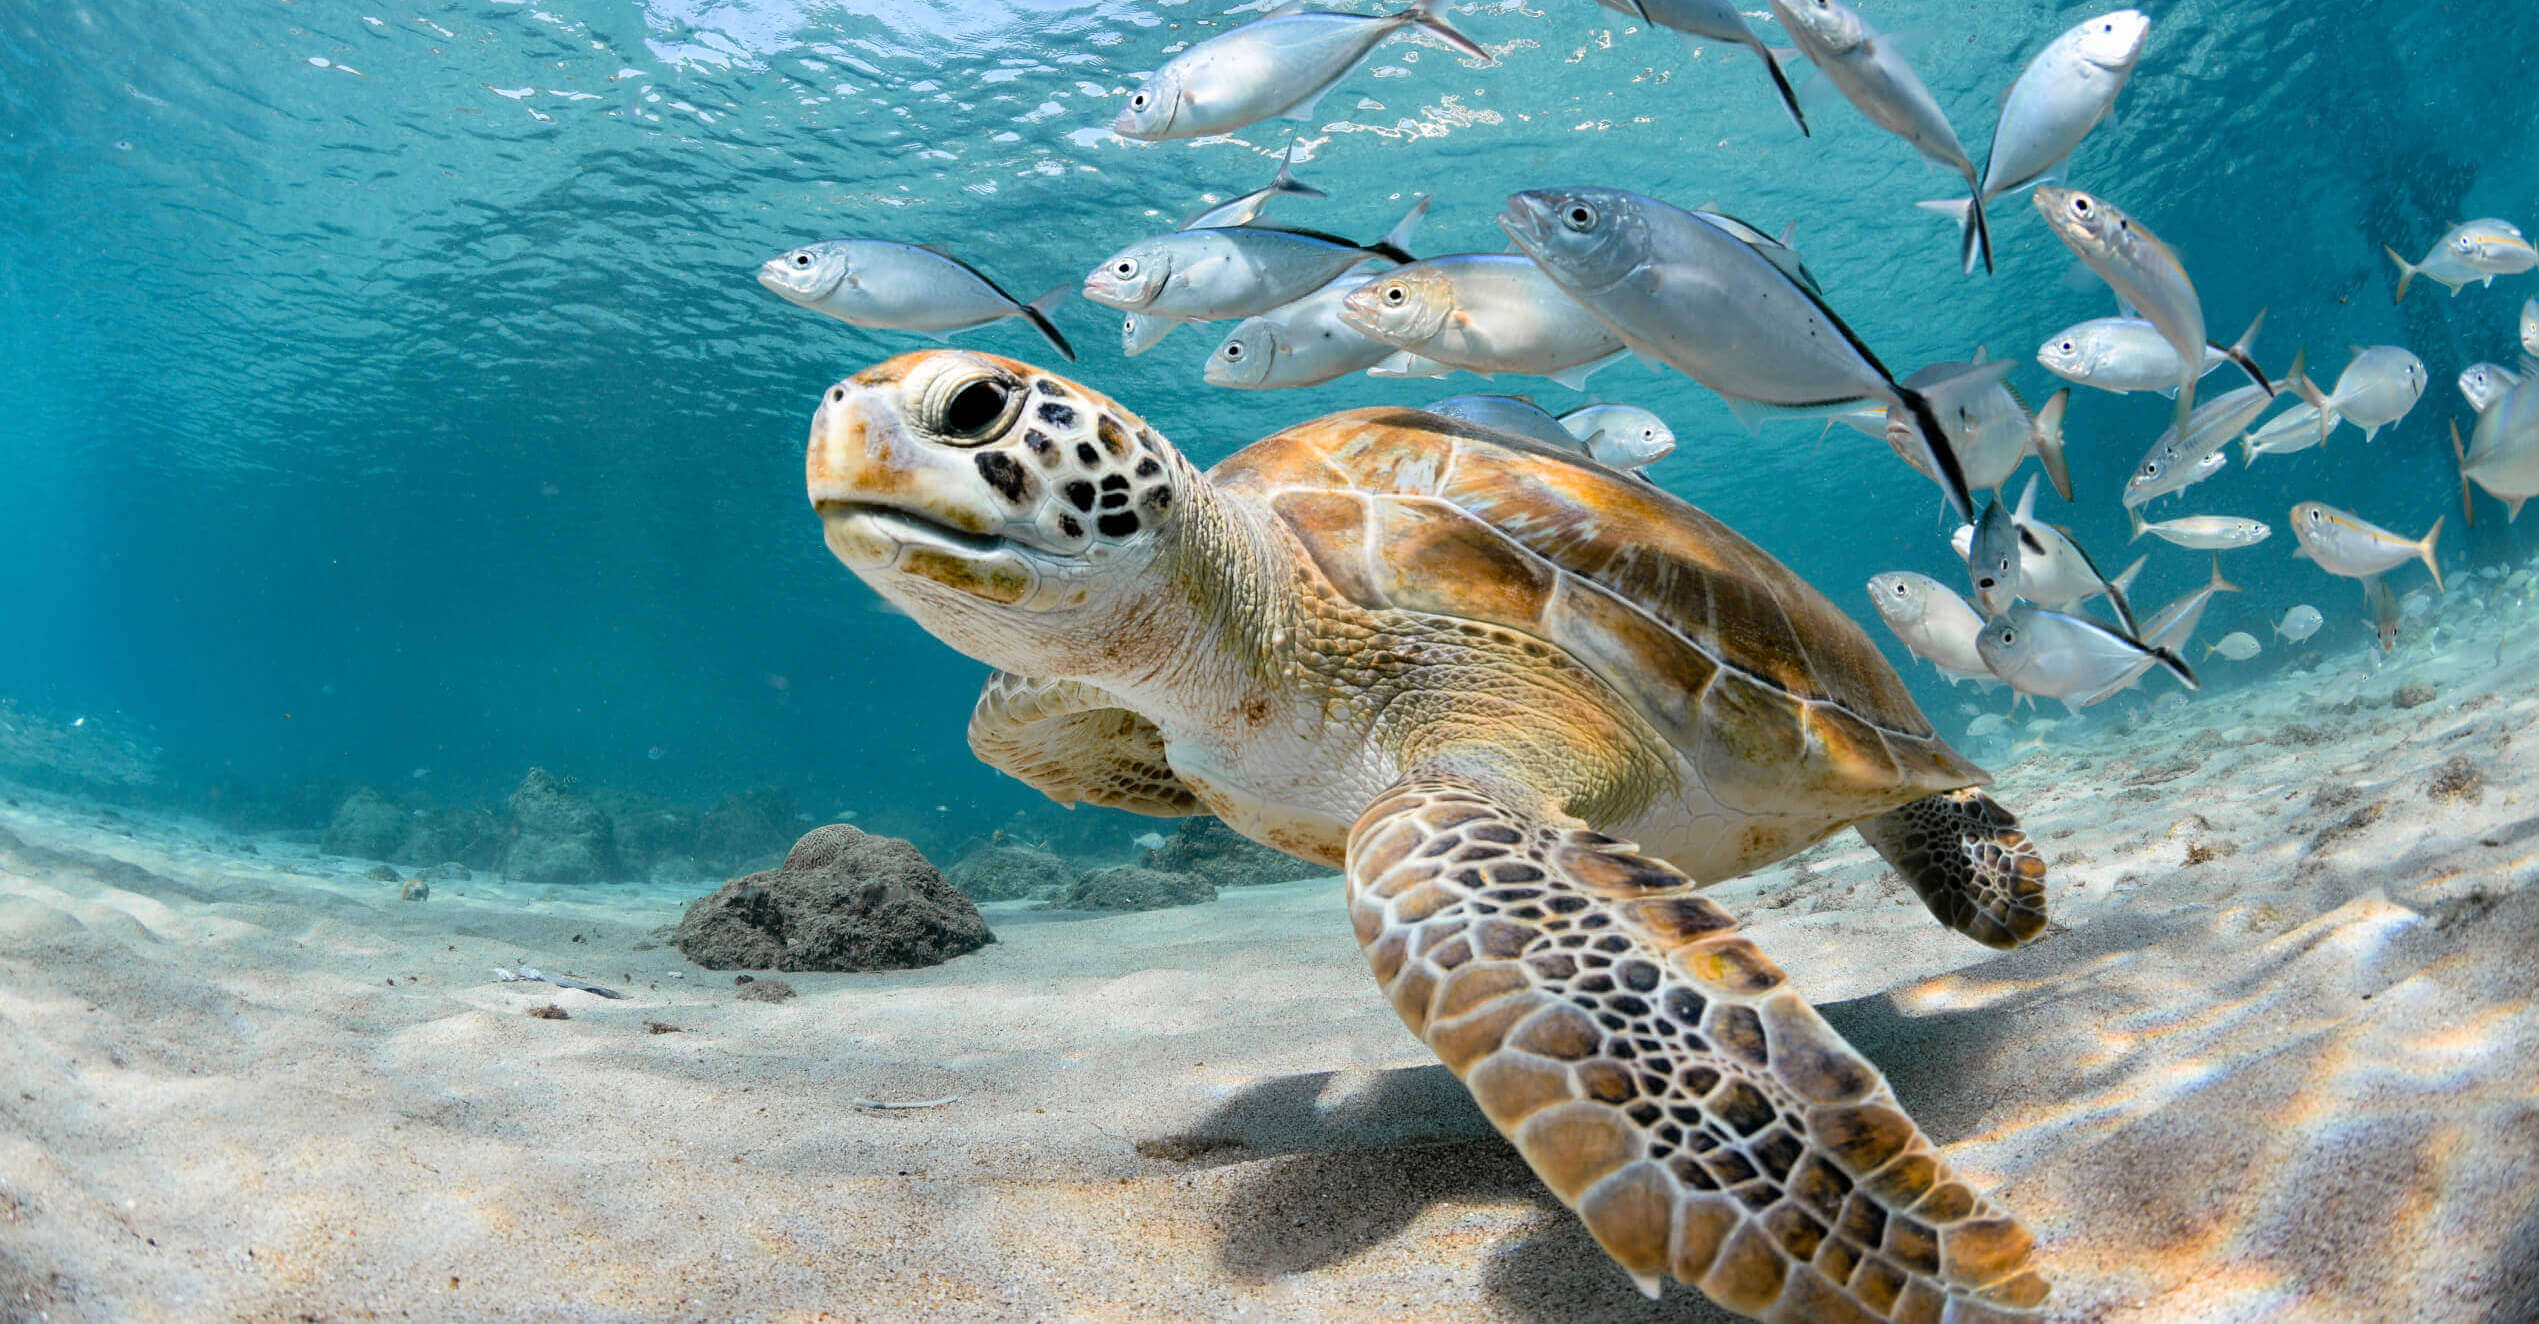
<point>1778,702</point>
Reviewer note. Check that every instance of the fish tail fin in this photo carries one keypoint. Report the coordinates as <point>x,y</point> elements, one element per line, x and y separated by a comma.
<point>2424,548</point>
<point>2177,665</point>
<point>1942,453</point>
<point>1286,182</point>
<point>2299,380</point>
<point>1975,240</point>
<point>2134,514</point>
<point>2123,583</point>
<point>1037,312</point>
<point>2468,512</point>
<point>1391,245</point>
<point>1430,14</point>
<point>2406,274</point>
<point>2238,353</point>
<point>2219,584</point>
<point>2047,434</point>
<point>1781,85</point>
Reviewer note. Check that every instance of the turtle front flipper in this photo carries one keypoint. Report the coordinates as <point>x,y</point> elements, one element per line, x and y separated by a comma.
<point>1964,855</point>
<point>1073,742</point>
<point>1657,1072</point>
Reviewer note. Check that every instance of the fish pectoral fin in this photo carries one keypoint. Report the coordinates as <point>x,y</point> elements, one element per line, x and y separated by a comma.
<point>1304,110</point>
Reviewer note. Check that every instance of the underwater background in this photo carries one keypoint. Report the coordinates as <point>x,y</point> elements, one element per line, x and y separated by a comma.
<point>387,398</point>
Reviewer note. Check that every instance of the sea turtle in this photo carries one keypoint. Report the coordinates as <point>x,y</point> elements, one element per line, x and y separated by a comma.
<point>1530,706</point>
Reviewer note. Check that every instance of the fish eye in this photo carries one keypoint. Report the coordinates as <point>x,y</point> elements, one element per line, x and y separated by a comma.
<point>2070,348</point>
<point>1137,102</point>
<point>2151,470</point>
<point>2080,205</point>
<point>974,411</point>
<point>1579,217</point>
<point>2009,636</point>
<point>802,259</point>
<point>1394,294</point>
<point>1899,590</point>
<point>1234,353</point>
<point>1124,268</point>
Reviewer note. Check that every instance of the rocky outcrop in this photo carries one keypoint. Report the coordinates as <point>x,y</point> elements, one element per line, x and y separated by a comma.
<point>1006,871</point>
<point>557,836</point>
<point>367,824</point>
<point>842,900</point>
<point>1132,888</point>
<point>1207,847</point>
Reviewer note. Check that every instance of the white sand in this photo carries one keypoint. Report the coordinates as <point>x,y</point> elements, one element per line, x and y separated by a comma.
<point>2295,1080</point>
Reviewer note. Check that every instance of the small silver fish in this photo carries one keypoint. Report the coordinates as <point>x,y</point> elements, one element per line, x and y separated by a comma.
<point>2054,571</point>
<point>2379,385</point>
<point>2381,611</point>
<point>883,283</point>
<point>2047,654</point>
<point>2295,429</point>
<point>1989,427</point>
<point>1140,332</point>
<point>1993,559</point>
<point>1508,413</point>
<point>2346,544</point>
<point>2503,454</point>
<point>2145,275</point>
<point>1718,20</point>
<point>1279,64</point>
<point>2185,455</point>
<point>1304,343</point>
<point>2238,646</point>
<point>1485,313</point>
<point>1236,271</point>
<point>1246,209</point>
<point>2171,628</point>
<point>1874,76</point>
<point>2205,533</point>
<point>2057,99</point>
<point>2299,623</point>
<point>1624,436</point>
<point>2482,384</point>
<point>2478,250</point>
<point>2123,354</point>
<point>1932,622</point>
<point>2530,327</point>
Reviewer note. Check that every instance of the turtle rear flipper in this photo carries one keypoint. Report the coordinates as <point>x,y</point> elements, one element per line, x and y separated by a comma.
<point>1964,855</point>
<point>1657,1072</point>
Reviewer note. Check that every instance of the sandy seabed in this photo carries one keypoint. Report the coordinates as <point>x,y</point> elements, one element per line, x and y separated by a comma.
<point>2274,1061</point>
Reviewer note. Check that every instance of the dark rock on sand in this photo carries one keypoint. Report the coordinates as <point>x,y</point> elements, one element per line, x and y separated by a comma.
<point>843,900</point>
<point>1132,888</point>
<point>366,824</point>
<point>557,836</point>
<point>1207,847</point>
<point>380,873</point>
<point>1006,871</point>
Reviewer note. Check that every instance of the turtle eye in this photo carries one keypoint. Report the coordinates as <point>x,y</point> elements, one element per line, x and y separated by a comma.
<point>974,412</point>
<point>1580,217</point>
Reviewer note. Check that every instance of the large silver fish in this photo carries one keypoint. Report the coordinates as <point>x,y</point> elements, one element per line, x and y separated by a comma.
<point>1279,64</point>
<point>2145,275</point>
<point>2346,544</point>
<point>2047,654</point>
<point>2121,354</point>
<point>1932,622</point>
<point>1485,313</point>
<point>1236,271</point>
<point>2478,250</point>
<point>2503,454</point>
<point>1719,20</point>
<point>2379,385</point>
<point>2054,103</point>
<point>1624,436</point>
<point>1989,427</point>
<point>883,283</point>
<point>1304,343</point>
<point>1680,290</point>
<point>1874,76</point>
<point>2181,456</point>
<point>1247,209</point>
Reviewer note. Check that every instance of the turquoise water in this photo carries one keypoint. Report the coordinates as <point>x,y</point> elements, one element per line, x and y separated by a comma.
<point>389,400</point>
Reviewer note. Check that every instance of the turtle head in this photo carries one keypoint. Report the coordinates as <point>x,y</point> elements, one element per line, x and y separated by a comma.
<point>1010,512</point>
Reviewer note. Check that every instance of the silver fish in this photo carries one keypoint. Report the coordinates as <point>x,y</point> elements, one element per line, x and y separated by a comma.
<point>1237,271</point>
<point>1932,622</point>
<point>2238,646</point>
<point>2205,533</point>
<point>1140,332</point>
<point>1280,64</point>
<point>1777,250</point>
<point>1508,413</point>
<point>2346,544</point>
<point>2194,452</point>
<point>2503,454</point>
<point>2123,354</point>
<point>1485,313</point>
<point>2379,385</point>
<point>1246,209</point>
<point>2299,623</point>
<point>2381,612</point>
<point>1304,343</point>
<point>2145,275</point>
<point>2530,327</point>
<point>2171,628</point>
<point>901,287</point>
<point>2057,99</point>
<point>1678,289</point>
<point>2048,654</point>
<point>1989,427</point>
<point>1992,560</point>
<point>1625,436</point>
<point>1874,76</point>
<point>2482,384</point>
<point>2295,429</point>
<point>1719,20</point>
<point>2478,250</point>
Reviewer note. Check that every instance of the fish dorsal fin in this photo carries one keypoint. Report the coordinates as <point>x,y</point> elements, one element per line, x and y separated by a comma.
<point>1283,10</point>
<point>1982,356</point>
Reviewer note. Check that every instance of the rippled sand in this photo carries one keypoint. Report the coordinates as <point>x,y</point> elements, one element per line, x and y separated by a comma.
<point>2276,1057</point>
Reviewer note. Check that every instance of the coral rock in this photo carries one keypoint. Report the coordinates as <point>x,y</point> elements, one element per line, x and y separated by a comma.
<point>843,900</point>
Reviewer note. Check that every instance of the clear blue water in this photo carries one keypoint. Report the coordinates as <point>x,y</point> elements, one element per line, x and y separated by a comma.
<point>387,390</point>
